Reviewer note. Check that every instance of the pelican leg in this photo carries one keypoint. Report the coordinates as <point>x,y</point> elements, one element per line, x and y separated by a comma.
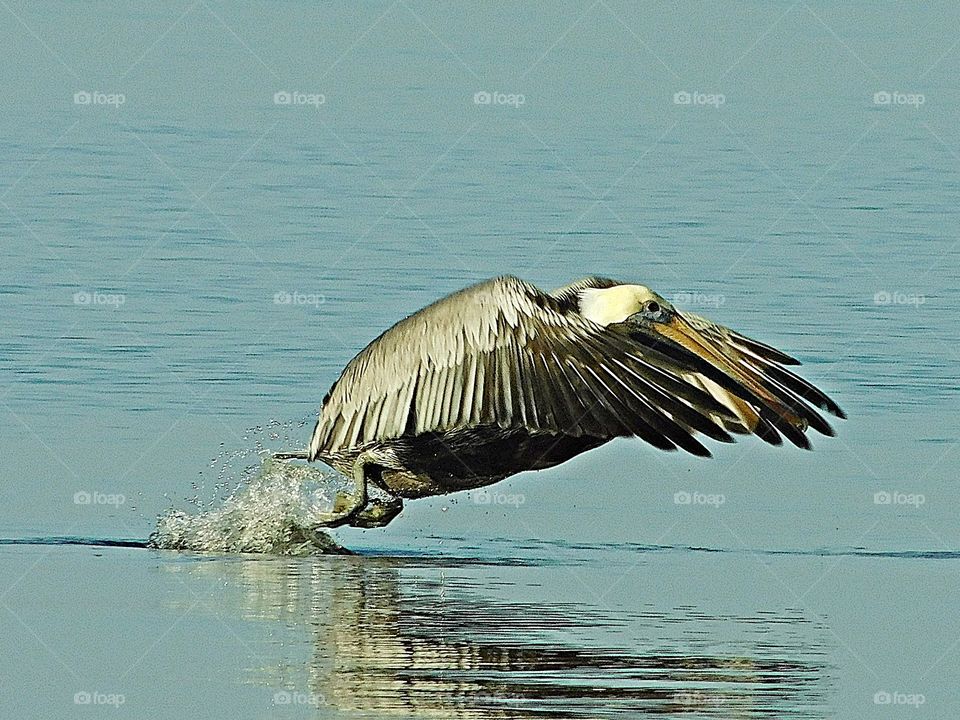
<point>347,505</point>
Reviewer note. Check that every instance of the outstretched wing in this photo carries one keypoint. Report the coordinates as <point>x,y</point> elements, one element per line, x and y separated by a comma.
<point>505,353</point>
<point>758,367</point>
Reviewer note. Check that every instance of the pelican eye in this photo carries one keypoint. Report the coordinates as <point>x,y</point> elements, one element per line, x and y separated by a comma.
<point>653,307</point>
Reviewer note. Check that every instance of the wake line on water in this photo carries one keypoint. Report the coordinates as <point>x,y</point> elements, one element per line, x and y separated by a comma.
<point>75,540</point>
<point>149,544</point>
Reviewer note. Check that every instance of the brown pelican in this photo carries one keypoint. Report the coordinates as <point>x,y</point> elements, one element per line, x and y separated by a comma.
<point>502,377</point>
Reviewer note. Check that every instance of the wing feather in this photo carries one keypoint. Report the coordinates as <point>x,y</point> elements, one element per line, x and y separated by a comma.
<point>762,387</point>
<point>469,390</point>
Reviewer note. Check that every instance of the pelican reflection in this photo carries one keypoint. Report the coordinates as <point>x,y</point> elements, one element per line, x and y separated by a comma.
<point>425,638</point>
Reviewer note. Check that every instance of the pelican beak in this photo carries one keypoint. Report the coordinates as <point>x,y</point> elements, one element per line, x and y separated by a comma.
<point>675,328</point>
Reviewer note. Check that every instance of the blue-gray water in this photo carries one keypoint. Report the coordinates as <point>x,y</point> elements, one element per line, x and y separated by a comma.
<point>185,272</point>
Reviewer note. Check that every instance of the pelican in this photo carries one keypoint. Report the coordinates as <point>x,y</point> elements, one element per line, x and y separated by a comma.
<point>502,377</point>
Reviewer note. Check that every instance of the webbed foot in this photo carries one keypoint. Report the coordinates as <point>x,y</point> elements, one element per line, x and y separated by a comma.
<point>345,507</point>
<point>377,513</point>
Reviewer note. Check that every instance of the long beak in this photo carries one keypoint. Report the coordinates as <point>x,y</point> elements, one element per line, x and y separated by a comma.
<point>677,329</point>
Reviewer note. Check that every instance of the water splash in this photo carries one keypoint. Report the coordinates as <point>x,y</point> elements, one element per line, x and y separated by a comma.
<point>236,467</point>
<point>275,510</point>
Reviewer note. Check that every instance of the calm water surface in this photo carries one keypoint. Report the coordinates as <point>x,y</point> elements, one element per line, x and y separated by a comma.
<point>185,273</point>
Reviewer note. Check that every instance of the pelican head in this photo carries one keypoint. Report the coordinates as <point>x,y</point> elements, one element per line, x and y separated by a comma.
<point>624,303</point>
<point>637,307</point>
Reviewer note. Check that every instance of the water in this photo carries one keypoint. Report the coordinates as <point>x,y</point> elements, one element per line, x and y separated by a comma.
<point>185,274</point>
<point>275,511</point>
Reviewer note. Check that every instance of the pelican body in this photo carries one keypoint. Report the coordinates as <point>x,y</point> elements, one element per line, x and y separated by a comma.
<point>501,377</point>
